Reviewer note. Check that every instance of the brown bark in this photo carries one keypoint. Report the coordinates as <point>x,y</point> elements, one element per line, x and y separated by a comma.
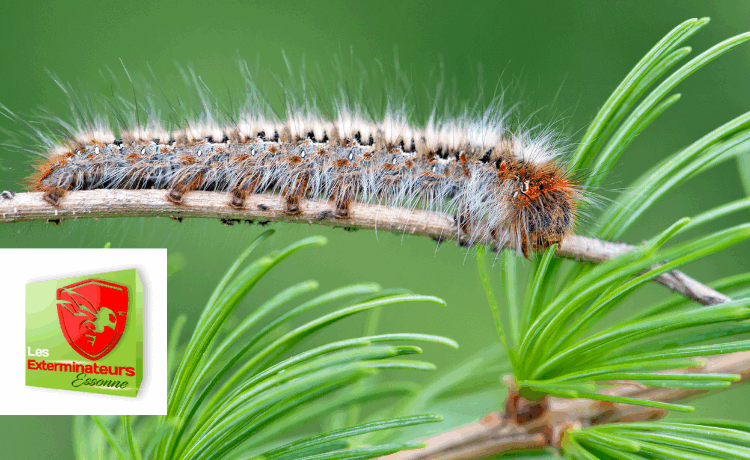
<point>267,207</point>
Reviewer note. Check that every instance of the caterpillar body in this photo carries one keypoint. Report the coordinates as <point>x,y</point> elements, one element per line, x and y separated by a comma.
<point>510,187</point>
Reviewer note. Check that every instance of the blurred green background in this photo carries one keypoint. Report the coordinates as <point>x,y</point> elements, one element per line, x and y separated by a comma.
<point>573,53</point>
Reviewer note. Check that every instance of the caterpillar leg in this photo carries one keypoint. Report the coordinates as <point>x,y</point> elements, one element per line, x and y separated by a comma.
<point>55,183</point>
<point>295,192</point>
<point>540,241</point>
<point>344,199</point>
<point>344,193</point>
<point>238,198</point>
<point>190,180</point>
<point>53,195</point>
<point>243,190</point>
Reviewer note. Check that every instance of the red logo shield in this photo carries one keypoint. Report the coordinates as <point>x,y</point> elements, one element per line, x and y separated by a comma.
<point>92,316</point>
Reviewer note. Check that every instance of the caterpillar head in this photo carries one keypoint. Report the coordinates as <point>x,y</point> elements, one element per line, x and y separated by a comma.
<point>542,202</point>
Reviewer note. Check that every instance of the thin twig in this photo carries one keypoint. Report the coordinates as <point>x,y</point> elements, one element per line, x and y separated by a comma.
<point>267,207</point>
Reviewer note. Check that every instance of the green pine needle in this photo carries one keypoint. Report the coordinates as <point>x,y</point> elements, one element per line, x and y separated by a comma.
<point>562,341</point>
<point>658,440</point>
<point>234,392</point>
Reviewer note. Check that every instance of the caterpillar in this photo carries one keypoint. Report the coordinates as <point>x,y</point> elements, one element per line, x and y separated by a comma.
<point>502,184</point>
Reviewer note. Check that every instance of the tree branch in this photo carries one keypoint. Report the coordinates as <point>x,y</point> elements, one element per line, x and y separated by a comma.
<point>267,207</point>
<point>497,433</point>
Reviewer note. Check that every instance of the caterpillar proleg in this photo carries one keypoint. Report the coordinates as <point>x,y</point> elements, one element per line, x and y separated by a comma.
<point>500,183</point>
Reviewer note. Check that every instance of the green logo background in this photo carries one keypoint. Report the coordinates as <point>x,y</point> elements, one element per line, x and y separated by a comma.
<point>43,332</point>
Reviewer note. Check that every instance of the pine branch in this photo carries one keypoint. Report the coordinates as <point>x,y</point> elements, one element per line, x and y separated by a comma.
<point>497,432</point>
<point>440,227</point>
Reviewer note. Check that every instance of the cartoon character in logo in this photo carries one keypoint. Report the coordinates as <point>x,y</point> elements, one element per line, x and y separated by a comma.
<point>92,316</point>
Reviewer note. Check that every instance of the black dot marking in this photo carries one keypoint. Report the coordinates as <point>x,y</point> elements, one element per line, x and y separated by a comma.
<point>261,135</point>
<point>276,136</point>
<point>325,137</point>
<point>311,135</point>
<point>172,140</point>
<point>155,140</point>
<point>209,139</point>
<point>370,140</point>
<point>225,139</point>
<point>118,142</point>
<point>358,137</point>
<point>486,157</point>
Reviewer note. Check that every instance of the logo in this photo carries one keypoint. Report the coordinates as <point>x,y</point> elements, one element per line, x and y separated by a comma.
<point>92,316</point>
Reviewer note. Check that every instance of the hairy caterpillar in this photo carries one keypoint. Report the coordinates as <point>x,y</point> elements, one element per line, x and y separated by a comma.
<point>501,184</point>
